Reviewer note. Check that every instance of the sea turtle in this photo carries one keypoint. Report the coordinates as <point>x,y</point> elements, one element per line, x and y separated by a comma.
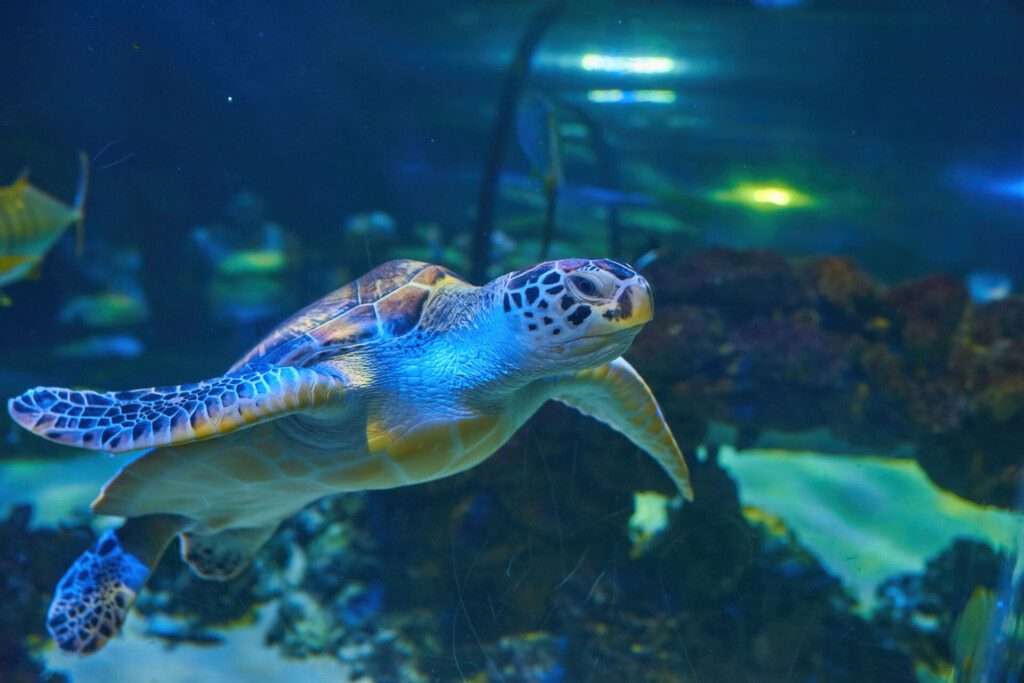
<point>406,375</point>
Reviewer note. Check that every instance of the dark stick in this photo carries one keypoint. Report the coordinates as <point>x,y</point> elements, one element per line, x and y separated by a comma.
<point>610,174</point>
<point>551,195</point>
<point>508,100</point>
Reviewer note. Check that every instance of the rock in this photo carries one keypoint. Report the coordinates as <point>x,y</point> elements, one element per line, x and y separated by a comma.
<point>919,611</point>
<point>752,341</point>
<point>32,565</point>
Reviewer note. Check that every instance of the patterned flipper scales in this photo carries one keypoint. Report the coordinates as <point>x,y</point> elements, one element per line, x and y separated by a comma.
<point>97,592</point>
<point>124,421</point>
<point>223,556</point>
<point>94,596</point>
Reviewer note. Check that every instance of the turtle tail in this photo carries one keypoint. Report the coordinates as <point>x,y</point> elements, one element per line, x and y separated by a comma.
<point>94,596</point>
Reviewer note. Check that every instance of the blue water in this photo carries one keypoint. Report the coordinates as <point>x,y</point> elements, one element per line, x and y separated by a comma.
<point>827,197</point>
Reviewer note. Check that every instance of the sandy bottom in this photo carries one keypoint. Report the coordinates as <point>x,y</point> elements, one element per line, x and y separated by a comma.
<point>242,658</point>
<point>865,518</point>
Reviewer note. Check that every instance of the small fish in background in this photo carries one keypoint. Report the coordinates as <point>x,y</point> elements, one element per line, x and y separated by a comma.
<point>248,245</point>
<point>374,231</point>
<point>250,265</point>
<point>429,244</point>
<point>973,634</point>
<point>648,257</point>
<point>245,262</point>
<point>268,259</point>
<point>985,287</point>
<point>373,225</point>
<point>212,249</point>
<point>102,346</point>
<point>986,643</point>
<point>503,247</point>
<point>110,308</point>
<point>248,286</point>
<point>537,132</point>
<point>116,266</point>
<point>110,293</point>
<point>430,235</point>
<point>31,221</point>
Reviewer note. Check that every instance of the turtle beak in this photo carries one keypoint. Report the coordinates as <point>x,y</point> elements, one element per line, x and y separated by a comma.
<point>631,308</point>
<point>641,301</point>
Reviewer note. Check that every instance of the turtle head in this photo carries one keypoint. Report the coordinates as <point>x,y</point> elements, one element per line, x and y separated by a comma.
<point>575,313</point>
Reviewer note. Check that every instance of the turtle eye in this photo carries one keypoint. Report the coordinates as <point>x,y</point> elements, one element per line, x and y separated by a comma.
<point>587,287</point>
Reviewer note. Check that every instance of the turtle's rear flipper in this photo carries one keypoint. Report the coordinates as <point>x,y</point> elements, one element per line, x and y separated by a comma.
<point>226,554</point>
<point>94,596</point>
<point>121,421</point>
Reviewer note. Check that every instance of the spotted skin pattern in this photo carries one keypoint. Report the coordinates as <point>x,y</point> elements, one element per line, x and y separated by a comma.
<point>407,375</point>
<point>94,596</point>
<point>548,296</point>
<point>142,418</point>
<point>223,556</point>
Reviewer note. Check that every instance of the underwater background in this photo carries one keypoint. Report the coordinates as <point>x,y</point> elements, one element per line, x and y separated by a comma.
<point>827,197</point>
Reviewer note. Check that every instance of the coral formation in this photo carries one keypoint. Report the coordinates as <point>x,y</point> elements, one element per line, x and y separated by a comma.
<point>920,611</point>
<point>32,565</point>
<point>521,569</point>
<point>748,339</point>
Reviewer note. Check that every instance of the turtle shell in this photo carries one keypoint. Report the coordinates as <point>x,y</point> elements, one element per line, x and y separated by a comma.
<point>386,302</point>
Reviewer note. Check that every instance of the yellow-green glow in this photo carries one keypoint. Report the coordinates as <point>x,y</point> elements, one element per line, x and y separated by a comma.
<point>764,196</point>
<point>631,96</point>
<point>255,261</point>
<point>649,519</point>
<point>773,195</point>
<point>627,65</point>
<point>605,95</point>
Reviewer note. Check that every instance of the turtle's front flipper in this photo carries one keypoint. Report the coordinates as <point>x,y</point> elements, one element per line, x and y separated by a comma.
<point>616,395</point>
<point>95,595</point>
<point>121,421</point>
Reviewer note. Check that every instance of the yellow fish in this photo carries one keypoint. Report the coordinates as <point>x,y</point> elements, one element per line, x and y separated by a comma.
<point>987,640</point>
<point>973,634</point>
<point>31,221</point>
